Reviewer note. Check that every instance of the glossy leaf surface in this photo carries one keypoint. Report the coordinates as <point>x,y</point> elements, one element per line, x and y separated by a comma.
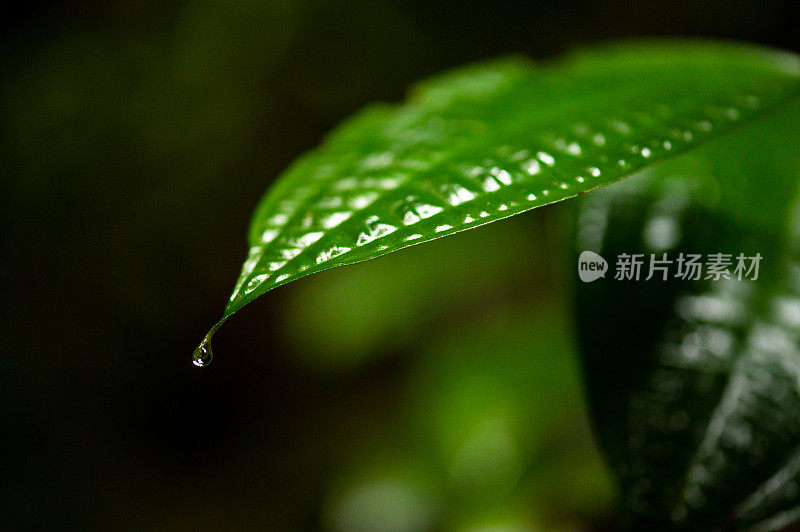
<point>695,385</point>
<point>493,140</point>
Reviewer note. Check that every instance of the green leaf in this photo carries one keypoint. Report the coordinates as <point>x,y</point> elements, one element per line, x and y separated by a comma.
<point>694,387</point>
<point>496,139</point>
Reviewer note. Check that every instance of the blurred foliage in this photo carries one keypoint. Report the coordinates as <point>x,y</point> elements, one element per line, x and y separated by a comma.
<point>494,420</point>
<point>379,307</point>
<point>135,140</point>
<point>696,407</point>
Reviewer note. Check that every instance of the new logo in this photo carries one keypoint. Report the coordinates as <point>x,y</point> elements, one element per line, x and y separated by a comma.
<point>591,266</point>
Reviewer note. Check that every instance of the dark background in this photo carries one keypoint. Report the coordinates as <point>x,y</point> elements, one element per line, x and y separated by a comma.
<point>135,141</point>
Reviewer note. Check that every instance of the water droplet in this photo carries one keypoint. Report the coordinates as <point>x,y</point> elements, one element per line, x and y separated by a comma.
<point>203,355</point>
<point>546,158</point>
<point>732,113</point>
<point>621,127</point>
<point>573,148</point>
<point>532,167</point>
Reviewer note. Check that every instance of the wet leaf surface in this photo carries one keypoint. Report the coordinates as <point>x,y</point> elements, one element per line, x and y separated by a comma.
<point>489,141</point>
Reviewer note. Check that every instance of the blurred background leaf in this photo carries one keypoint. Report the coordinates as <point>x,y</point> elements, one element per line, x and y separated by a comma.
<point>696,406</point>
